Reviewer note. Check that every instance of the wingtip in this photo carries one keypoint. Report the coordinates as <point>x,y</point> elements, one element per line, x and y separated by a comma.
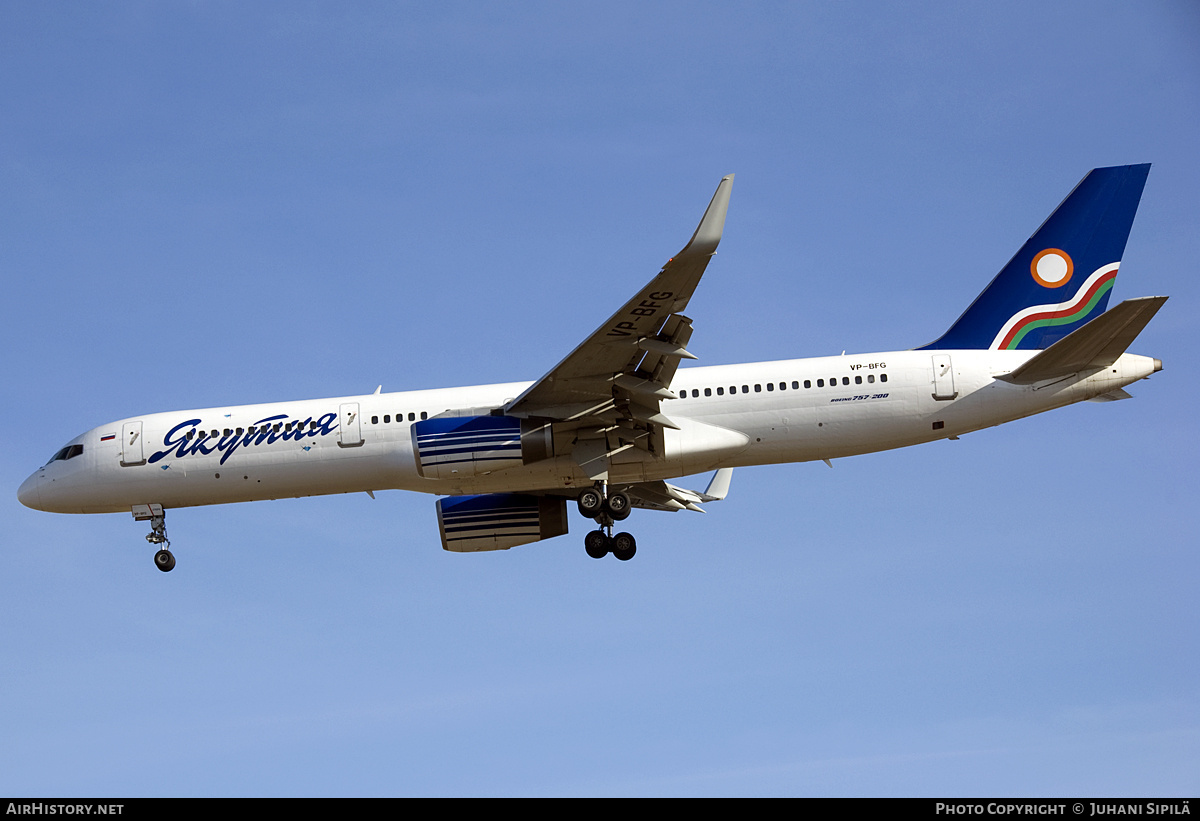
<point>718,486</point>
<point>712,225</point>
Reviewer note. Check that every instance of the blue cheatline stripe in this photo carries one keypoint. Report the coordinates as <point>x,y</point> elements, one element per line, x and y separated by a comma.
<point>489,515</point>
<point>469,442</point>
<point>524,529</point>
<point>431,461</point>
<point>470,448</point>
<point>519,519</point>
<point>473,449</point>
<point>476,524</point>
<point>502,436</point>
<point>499,530</point>
<point>476,460</point>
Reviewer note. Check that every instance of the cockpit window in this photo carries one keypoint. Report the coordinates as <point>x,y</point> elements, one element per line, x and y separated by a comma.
<point>69,452</point>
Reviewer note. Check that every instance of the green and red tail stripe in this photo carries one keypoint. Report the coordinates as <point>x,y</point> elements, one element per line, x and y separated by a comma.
<point>1088,301</point>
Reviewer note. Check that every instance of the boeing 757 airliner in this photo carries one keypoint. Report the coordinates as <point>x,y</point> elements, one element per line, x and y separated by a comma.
<point>610,425</point>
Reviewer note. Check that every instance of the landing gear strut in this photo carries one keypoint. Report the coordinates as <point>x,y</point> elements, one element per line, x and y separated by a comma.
<point>606,510</point>
<point>164,560</point>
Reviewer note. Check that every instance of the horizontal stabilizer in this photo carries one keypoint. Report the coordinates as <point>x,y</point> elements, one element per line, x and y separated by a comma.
<point>1112,396</point>
<point>1097,344</point>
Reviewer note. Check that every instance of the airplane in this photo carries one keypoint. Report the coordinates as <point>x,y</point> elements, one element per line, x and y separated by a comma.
<point>617,419</point>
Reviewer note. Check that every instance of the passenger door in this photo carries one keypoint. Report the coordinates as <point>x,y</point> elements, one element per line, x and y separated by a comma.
<point>943,378</point>
<point>349,429</point>
<point>131,444</point>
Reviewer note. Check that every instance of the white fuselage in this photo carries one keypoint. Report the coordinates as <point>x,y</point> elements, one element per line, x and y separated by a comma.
<point>727,415</point>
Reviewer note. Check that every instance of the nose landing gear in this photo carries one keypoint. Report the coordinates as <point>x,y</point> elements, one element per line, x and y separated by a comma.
<point>606,510</point>
<point>164,559</point>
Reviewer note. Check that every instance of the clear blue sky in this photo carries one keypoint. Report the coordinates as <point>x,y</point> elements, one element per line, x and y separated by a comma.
<point>222,203</point>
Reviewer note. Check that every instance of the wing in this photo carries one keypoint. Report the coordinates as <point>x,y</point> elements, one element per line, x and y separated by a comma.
<point>609,389</point>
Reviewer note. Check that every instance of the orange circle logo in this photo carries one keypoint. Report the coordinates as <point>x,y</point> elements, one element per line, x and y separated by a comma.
<point>1052,268</point>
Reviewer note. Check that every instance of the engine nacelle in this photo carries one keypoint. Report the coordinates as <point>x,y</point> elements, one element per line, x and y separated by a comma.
<point>498,521</point>
<point>451,447</point>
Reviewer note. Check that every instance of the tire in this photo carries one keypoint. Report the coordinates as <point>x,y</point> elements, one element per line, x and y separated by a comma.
<point>624,546</point>
<point>591,503</point>
<point>619,506</point>
<point>164,560</point>
<point>596,544</point>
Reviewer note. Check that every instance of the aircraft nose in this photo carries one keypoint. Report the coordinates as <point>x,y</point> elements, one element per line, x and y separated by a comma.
<point>29,493</point>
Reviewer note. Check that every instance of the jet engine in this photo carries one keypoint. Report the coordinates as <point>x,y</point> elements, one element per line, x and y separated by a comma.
<point>451,447</point>
<point>498,521</point>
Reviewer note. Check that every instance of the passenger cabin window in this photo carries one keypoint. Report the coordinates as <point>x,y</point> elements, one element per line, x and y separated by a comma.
<point>720,391</point>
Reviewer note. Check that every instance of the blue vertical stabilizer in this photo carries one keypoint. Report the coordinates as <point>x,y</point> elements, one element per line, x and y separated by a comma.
<point>1062,276</point>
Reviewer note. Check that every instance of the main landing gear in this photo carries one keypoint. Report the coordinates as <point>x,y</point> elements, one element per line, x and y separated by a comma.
<point>164,559</point>
<point>606,510</point>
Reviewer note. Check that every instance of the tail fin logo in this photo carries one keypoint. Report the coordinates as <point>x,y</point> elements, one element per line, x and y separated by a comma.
<point>1088,303</point>
<point>1052,268</point>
